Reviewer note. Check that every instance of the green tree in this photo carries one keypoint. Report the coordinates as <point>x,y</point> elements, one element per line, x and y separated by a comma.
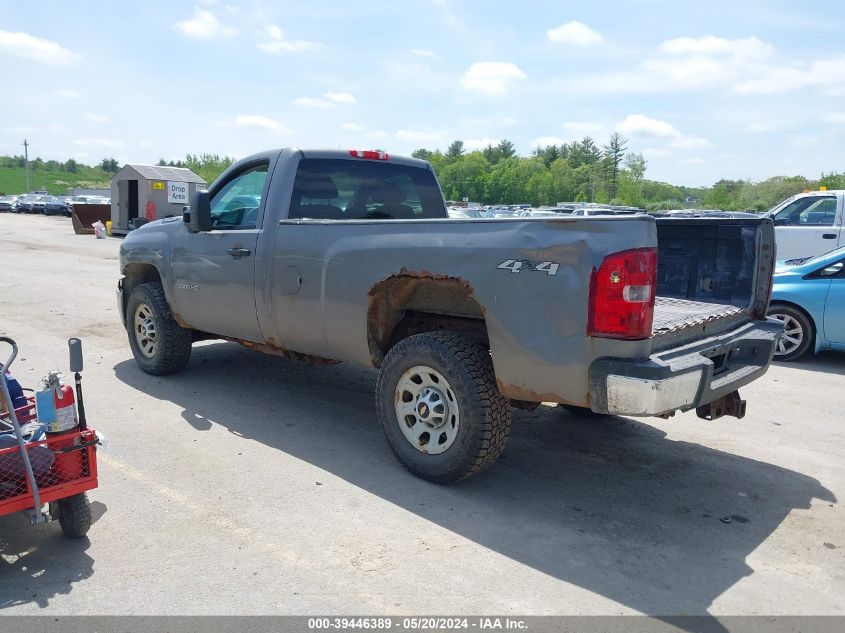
<point>506,149</point>
<point>455,151</point>
<point>614,151</point>
<point>109,165</point>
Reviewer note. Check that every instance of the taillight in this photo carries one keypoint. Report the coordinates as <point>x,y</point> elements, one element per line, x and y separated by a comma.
<point>622,295</point>
<point>369,154</point>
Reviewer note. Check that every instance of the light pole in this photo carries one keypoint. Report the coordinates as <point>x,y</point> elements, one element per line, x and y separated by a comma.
<point>26,163</point>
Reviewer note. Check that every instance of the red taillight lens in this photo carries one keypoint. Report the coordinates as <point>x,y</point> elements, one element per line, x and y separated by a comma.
<point>369,154</point>
<point>622,295</point>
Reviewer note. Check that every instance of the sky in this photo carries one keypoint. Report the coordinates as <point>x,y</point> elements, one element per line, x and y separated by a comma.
<point>705,90</point>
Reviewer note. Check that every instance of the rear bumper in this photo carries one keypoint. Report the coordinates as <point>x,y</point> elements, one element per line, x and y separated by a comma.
<point>686,377</point>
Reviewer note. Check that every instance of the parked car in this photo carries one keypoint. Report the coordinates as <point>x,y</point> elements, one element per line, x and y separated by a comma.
<point>8,204</point>
<point>26,202</point>
<point>39,205</point>
<point>57,205</point>
<point>355,260</point>
<point>809,223</point>
<point>808,296</point>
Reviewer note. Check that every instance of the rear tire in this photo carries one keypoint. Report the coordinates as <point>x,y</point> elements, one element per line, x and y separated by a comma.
<point>439,406</point>
<point>75,515</point>
<point>159,344</point>
<point>799,332</point>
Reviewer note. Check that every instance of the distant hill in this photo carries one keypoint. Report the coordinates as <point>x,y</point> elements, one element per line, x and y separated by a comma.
<point>51,176</point>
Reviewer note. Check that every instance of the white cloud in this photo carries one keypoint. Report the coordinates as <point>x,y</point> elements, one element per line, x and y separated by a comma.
<point>96,118</point>
<point>836,118</point>
<point>641,125</point>
<point>710,45</point>
<point>328,101</point>
<point>419,52</point>
<point>100,142</point>
<point>480,143</point>
<point>420,136</point>
<point>312,102</point>
<point>278,44</point>
<point>543,141</point>
<point>492,78</point>
<point>261,122</point>
<point>576,33</point>
<point>339,97</point>
<point>37,49</point>
<point>204,25</point>
<point>746,66</point>
<point>68,94</point>
<point>352,127</point>
<point>584,128</point>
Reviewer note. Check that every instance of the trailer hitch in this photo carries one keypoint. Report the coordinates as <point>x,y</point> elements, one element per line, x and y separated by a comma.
<point>731,404</point>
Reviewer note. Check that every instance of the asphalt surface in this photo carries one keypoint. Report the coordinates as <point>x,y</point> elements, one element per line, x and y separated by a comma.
<point>250,484</point>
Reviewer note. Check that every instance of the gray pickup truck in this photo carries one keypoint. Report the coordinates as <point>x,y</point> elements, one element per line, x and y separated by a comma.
<point>327,256</point>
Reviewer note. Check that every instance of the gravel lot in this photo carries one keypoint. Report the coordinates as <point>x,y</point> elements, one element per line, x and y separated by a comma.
<point>250,484</point>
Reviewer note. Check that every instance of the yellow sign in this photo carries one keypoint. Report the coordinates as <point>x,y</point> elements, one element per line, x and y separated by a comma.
<point>158,184</point>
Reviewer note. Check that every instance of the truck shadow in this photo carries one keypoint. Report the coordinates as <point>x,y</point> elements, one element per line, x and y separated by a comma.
<point>38,563</point>
<point>826,362</point>
<point>612,506</point>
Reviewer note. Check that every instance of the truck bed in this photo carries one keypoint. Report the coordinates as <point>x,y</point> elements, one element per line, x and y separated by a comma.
<point>707,280</point>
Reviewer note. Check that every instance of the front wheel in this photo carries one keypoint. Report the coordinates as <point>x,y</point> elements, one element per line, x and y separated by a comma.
<point>798,332</point>
<point>159,344</point>
<point>439,406</point>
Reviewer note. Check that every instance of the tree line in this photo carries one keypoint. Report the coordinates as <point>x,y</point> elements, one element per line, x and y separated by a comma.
<point>584,171</point>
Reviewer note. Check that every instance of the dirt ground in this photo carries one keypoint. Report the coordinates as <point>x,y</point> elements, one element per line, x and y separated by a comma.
<point>250,484</point>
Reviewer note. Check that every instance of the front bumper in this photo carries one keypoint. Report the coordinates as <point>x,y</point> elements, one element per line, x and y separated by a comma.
<point>686,377</point>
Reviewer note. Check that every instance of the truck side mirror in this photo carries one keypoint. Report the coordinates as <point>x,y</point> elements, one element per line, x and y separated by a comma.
<point>198,216</point>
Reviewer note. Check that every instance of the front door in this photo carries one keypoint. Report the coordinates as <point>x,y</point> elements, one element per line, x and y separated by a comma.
<point>807,227</point>
<point>214,271</point>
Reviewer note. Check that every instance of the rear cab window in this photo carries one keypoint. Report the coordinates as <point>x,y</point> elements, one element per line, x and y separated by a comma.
<point>341,189</point>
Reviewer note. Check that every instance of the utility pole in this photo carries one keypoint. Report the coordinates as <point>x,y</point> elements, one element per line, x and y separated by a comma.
<point>26,163</point>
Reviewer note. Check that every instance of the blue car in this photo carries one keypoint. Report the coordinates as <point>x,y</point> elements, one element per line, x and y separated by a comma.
<point>809,297</point>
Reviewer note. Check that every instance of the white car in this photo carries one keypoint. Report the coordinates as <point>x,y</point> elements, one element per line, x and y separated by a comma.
<point>809,224</point>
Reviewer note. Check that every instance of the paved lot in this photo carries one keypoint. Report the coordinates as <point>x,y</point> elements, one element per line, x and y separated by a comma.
<point>251,484</point>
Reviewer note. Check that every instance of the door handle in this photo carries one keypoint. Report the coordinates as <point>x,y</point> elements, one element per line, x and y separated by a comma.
<point>829,236</point>
<point>237,253</point>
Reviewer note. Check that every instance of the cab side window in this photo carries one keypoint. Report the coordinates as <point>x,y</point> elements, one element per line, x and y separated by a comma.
<point>811,211</point>
<point>235,204</point>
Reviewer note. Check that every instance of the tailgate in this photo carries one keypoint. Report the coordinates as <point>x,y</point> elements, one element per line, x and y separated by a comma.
<point>713,275</point>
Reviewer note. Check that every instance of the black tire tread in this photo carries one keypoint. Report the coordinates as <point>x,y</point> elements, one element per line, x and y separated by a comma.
<point>496,418</point>
<point>174,341</point>
<point>75,515</point>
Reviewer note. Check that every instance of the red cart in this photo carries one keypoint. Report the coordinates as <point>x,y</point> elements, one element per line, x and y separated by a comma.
<point>46,475</point>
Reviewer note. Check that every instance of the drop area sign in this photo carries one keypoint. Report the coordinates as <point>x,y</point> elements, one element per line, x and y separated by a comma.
<point>177,192</point>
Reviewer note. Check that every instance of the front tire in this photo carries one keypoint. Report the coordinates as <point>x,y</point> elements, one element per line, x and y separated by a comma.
<point>159,344</point>
<point>799,332</point>
<point>439,406</point>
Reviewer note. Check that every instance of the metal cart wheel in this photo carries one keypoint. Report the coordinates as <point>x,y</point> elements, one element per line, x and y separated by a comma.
<point>75,515</point>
